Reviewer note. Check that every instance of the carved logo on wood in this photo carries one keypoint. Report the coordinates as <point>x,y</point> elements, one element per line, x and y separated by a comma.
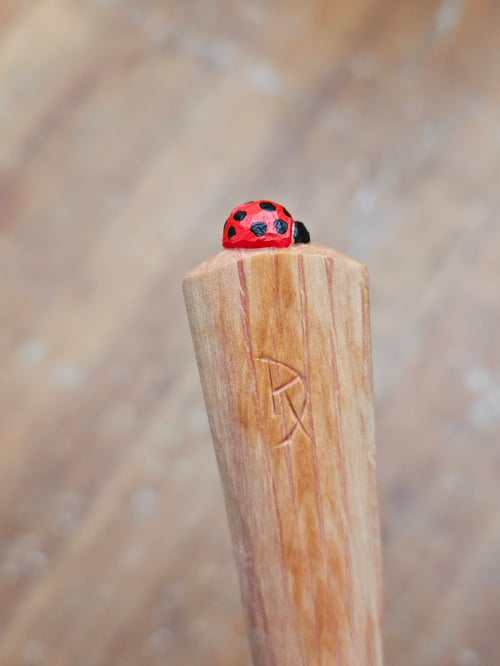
<point>288,397</point>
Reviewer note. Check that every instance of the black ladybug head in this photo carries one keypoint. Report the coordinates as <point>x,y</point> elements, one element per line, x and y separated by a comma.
<point>300,233</point>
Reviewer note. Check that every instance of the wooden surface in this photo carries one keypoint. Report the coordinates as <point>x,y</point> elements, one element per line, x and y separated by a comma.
<point>128,131</point>
<point>282,340</point>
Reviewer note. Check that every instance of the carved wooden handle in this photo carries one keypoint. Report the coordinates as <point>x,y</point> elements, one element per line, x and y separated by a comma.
<point>282,342</point>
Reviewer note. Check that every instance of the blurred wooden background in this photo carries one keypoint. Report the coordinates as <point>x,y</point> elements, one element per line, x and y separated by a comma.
<point>129,128</point>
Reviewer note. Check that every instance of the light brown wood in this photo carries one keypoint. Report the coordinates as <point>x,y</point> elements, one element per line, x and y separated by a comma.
<point>282,342</point>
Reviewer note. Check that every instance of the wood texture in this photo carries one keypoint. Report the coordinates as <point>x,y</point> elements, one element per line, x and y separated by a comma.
<point>282,340</point>
<point>128,130</point>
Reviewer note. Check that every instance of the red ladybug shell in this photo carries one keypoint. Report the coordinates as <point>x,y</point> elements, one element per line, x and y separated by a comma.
<point>258,224</point>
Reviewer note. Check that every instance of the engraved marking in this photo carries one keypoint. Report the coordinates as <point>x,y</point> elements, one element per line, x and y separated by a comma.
<point>282,399</point>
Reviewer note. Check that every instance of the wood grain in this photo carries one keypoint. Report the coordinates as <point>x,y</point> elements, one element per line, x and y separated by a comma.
<point>282,341</point>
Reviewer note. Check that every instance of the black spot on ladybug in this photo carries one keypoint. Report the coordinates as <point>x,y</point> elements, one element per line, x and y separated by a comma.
<point>300,233</point>
<point>286,212</point>
<point>239,215</point>
<point>281,226</point>
<point>231,232</point>
<point>258,228</point>
<point>267,205</point>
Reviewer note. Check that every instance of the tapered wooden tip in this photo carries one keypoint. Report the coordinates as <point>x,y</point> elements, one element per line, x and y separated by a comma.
<point>282,341</point>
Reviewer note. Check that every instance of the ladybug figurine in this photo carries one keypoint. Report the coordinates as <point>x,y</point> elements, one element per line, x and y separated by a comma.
<point>262,224</point>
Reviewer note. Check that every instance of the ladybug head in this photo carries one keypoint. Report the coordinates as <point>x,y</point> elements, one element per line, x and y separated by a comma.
<point>262,224</point>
